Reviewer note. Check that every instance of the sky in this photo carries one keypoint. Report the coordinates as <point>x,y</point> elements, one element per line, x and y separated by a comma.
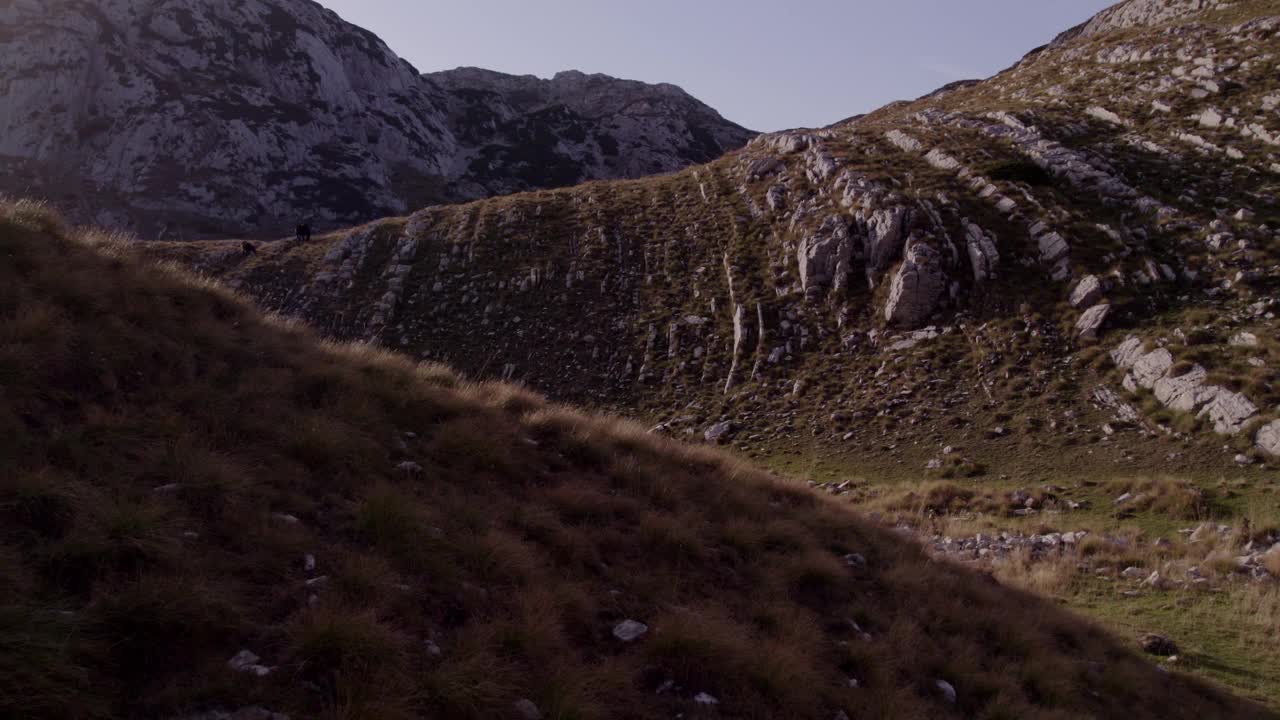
<point>766,65</point>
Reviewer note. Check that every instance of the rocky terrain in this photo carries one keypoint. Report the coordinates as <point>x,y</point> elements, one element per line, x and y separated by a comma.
<point>199,118</point>
<point>211,514</point>
<point>1080,254</point>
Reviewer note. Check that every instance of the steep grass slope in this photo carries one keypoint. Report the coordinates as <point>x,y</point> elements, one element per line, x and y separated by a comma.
<point>186,479</point>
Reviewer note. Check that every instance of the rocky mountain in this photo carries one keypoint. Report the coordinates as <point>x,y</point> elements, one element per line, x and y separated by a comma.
<point>1087,242</point>
<point>196,118</point>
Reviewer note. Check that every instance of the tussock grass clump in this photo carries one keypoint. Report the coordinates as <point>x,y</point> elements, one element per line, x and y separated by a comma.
<point>186,478</point>
<point>1174,498</point>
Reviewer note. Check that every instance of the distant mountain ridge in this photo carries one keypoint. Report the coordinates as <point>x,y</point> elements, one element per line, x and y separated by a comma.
<point>193,118</point>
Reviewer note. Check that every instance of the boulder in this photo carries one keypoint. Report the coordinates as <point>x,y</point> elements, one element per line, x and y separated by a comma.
<point>1229,412</point>
<point>1154,644</point>
<point>719,432</point>
<point>884,235</point>
<point>1185,392</point>
<point>917,287</point>
<point>903,141</point>
<point>246,661</point>
<point>1087,292</point>
<point>1151,367</point>
<point>1053,247</point>
<point>824,256</point>
<point>1128,353</point>
<point>1268,438</point>
<point>983,255</point>
<point>1243,339</point>
<point>1091,321</point>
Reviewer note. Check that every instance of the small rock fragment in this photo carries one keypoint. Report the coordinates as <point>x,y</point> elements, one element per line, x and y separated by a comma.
<point>629,630</point>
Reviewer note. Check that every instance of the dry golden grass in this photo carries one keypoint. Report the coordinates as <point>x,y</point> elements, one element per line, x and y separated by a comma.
<point>171,456</point>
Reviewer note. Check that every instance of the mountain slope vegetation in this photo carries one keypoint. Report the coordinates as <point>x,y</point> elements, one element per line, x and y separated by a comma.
<point>1088,239</point>
<point>187,479</point>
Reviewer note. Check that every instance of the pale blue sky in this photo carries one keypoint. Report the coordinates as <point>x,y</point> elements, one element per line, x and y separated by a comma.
<point>767,65</point>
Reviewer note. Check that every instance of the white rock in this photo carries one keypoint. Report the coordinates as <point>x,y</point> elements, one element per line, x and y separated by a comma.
<point>246,661</point>
<point>705,699</point>
<point>917,287</point>
<point>1087,292</point>
<point>1106,115</point>
<point>948,691</point>
<point>1210,118</point>
<point>1229,412</point>
<point>525,708</point>
<point>1128,353</point>
<point>1268,439</point>
<point>719,432</point>
<point>903,141</point>
<point>1243,339</point>
<point>1091,321</point>
<point>629,630</point>
<point>1151,367</point>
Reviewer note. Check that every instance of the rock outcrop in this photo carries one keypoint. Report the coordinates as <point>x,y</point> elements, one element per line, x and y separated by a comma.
<point>194,118</point>
<point>917,287</point>
<point>1268,438</point>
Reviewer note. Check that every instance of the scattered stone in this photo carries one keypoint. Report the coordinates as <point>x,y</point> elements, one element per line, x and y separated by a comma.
<point>246,661</point>
<point>409,467</point>
<point>525,708</point>
<point>948,691</point>
<point>629,630</point>
<point>719,432</point>
<point>1153,644</point>
<point>705,699</point>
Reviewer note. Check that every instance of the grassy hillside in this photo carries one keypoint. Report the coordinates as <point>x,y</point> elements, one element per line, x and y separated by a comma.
<point>186,479</point>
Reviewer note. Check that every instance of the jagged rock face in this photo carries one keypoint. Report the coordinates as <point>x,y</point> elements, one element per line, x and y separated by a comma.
<point>521,132</point>
<point>1140,13</point>
<point>954,241</point>
<point>917,287</point>
<point>196,117</point>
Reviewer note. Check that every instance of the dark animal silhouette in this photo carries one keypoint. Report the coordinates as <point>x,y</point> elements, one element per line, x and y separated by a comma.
<point>304,233</point>
<point>247,248</point>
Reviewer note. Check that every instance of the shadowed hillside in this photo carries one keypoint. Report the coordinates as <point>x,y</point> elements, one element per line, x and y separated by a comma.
<point>187,480</point>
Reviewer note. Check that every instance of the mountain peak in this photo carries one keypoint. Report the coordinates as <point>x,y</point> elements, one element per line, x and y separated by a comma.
<point>308,117</point>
